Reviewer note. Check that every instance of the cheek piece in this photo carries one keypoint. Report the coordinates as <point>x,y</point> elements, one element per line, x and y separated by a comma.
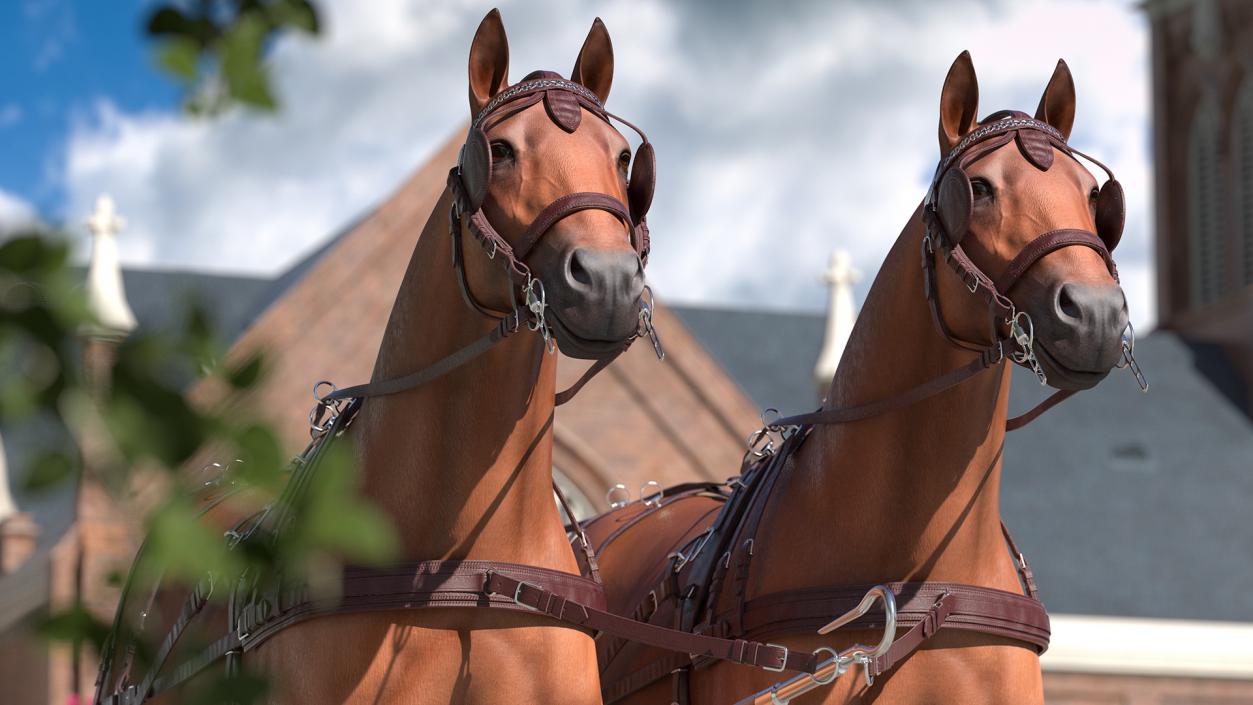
<point>947,211</point>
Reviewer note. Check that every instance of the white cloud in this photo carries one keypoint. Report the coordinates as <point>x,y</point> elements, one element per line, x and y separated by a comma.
<point>782,131</point>
<point>15,214</point>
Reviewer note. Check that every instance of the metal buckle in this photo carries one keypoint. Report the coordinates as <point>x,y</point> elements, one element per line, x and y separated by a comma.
<point>517,595</point>
<point>783,666</point>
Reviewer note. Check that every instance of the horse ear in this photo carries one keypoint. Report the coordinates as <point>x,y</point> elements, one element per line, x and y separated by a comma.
<point>489,61</point>
<point>594,67</point>
<point>1057,105</point>
<point>959,102</point>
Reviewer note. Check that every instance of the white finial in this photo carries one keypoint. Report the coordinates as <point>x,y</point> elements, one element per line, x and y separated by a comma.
<point>840,277</point>
<point>105,296</point>
<point>7,506</point>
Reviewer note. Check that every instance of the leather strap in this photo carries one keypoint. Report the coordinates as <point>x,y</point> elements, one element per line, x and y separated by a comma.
<point>505,328</point>
<point>1053,400</point>
<point>564,206</point>
<point>923,608</point>
<point>1045,244</point>
<point>742,651</point>
<point>847,414</point>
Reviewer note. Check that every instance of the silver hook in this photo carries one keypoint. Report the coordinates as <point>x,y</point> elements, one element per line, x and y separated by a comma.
<point>1022,329</point>
<point>1128,359</point>
<point>646,326</point>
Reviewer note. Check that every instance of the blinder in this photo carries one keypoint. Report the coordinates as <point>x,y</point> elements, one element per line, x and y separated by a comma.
<point>1111,213</point>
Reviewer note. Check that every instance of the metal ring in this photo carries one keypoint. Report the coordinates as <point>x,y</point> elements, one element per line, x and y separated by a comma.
<point>618,504</point>
<point>654,499</point>
<point>835,672</point>
<point>318,385</point>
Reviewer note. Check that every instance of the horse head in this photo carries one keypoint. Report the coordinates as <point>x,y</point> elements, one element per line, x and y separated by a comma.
<point>1012,198</point>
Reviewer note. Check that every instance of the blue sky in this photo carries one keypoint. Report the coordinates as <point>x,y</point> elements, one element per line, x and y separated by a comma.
<point>753,107</point>
<point>58,58</point>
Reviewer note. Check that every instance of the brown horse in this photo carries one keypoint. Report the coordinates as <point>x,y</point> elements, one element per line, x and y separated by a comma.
<point>909,494</point>
<point>463,465</point>
<point>461,462</point>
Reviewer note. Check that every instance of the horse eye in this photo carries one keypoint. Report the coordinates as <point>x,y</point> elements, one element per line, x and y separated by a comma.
<point>501,151</point>
<point>981,188</point>
<point>1096,192</point>
<point>624,159</point>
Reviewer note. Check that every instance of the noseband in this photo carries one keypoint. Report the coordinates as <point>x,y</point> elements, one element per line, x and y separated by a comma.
<point>469,182</point>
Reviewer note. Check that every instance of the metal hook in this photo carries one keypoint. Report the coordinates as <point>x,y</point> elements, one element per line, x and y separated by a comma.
<point>646,326</point>
<point>1128,359</point>
<point>1022,329</point>
<point>838,664</point>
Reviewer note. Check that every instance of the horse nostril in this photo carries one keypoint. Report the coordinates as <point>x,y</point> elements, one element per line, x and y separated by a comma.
<point>1066,303</point>
<point>578,272</point>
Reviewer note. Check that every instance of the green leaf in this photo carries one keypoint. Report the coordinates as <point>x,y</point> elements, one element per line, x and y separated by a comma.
<point>262,457</point>
<point>179,57</point>
<point>239,689</point>
<point>246,374</point>
<point>75,625</point>
<point>297,14</point>
<point>48,470</point>
<point>246,77</point>
<point>168,19</point>
<point>184,547</point>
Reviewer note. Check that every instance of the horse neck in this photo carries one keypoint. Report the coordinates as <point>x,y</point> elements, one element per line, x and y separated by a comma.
<point>911,494</point>
<point>462,464</point>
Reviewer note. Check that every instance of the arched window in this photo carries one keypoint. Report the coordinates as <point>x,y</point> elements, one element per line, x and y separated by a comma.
<point>1242,178</point>
<point>1205,221</point>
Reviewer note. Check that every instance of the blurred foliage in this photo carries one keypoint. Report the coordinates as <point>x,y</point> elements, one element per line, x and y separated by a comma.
<point>217,48</point>
<point>143,433</point>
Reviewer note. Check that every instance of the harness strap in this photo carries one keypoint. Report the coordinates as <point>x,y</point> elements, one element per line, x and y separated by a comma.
<point>507,327</point>
<point>924,607</point>
<point>846,414</point>
<point>570,600</point>
<point>742,651</point>
<point>592,570</point>
<point>1053,400</point>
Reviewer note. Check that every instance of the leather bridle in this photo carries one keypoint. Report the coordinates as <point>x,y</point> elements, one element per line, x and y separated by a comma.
<point>944,233</point>
<point>468,183</point>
